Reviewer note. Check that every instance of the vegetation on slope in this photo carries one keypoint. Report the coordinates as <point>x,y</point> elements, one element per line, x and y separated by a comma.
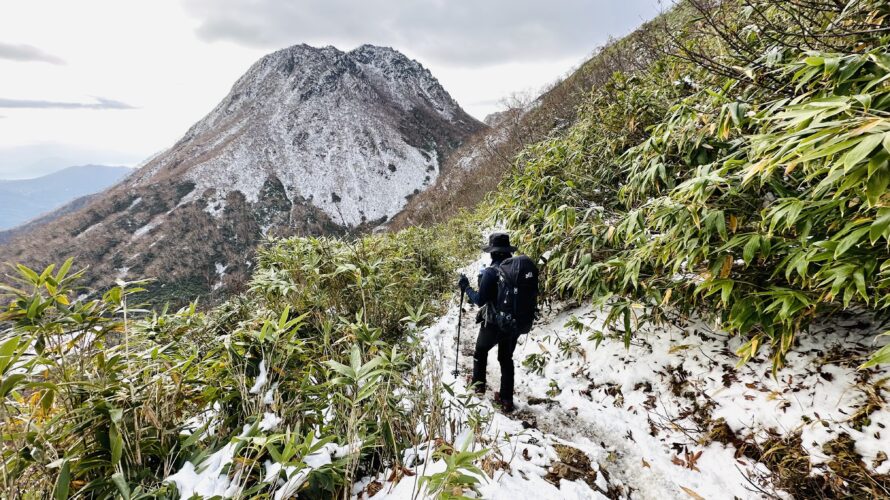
<point>475,169</point>
<point>744,177</point>
<point>99,404</point>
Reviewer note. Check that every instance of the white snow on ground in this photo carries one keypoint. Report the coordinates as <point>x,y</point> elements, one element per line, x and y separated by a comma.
<point>639,413</point>
<point>221,274</point>
<point>261,379</point>
<point>269,397</point>
<point>296,476</point>
<point>269,422</point>
<point>215,207</point>
<point>205,420</point>
<point>146,228</point>
<point>210,478</point>
<point>87,230</point>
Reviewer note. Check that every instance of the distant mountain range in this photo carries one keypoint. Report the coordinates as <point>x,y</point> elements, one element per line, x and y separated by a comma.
<point>27,161</point>
<point>308,141</point>
<point>25,199</point>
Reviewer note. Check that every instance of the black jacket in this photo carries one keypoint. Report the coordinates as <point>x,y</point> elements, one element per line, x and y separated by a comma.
<point>488,286</point>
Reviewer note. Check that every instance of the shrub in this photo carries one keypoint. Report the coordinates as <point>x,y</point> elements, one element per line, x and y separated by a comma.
<point>316,369</point>
<point>758,198</point>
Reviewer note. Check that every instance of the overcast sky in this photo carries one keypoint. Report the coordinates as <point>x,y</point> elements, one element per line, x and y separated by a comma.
<point>109,81</point>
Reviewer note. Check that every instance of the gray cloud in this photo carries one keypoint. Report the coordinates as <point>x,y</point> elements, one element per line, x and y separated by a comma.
<point>454,32</point>
<point>27,53</point>
<point>101,103</point>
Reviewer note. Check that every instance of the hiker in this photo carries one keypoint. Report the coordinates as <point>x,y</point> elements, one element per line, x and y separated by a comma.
<point>507,298</point>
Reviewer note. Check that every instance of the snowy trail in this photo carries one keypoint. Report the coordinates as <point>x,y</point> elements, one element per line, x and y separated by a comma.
<point>622,462</point>
<point>617,439</point>
<point>646,416</point>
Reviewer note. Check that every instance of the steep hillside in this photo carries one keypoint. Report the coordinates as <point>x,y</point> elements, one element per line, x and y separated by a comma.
<point>25,199</point>
<point>476,168</point>
<point>308,141</point>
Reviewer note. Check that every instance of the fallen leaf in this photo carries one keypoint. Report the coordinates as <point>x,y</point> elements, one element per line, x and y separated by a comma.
<point>691,493</point>
<point>646,464</point>
<point>678,348</point>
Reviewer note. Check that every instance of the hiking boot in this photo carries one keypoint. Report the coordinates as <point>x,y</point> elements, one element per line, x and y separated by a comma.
<point>479,389</point>
<point>505,406</point>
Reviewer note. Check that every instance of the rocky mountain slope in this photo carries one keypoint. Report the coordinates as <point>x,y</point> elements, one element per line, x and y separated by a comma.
<point>24,199</point>
<point>308,141</point>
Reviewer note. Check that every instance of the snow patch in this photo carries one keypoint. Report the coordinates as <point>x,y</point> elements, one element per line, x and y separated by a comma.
<point>269,422</point>
<point>142,231</point>
<point>261,379</point>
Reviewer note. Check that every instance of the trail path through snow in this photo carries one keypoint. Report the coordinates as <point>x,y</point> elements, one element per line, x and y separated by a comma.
<point>644,415</point>
<point>618,457</point>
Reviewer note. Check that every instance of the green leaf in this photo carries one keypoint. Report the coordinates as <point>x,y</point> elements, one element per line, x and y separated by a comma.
<point>864,99</point>
<point>862,150</point>
<point>9,383</point>
<point>121,483</point>
<point>831,64</point>
<point>6,351</point>
<point>879,226</point>
<point>196,435</point>
<point>878,358</point>
<point>60,492</point>
<point>814,61</point>
<point>751,248</point>
<point>63,271</point>
<point>342,369</point>
<point>32,307</point>
<point>859,280</point>
<point>47,399</point>
<point>726,291</point>
<point>877,184</point>
<point>848,241</point>
<point>32,276</point>
<point>117,445</point>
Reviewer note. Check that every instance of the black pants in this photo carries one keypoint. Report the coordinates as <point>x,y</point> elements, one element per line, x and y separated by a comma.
<point>488,338</point>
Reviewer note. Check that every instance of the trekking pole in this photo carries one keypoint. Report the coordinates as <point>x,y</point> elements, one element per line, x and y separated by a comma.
<point>460,314</point>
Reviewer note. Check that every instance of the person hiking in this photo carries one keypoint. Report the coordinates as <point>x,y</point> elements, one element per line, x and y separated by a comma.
<point>507,297</point>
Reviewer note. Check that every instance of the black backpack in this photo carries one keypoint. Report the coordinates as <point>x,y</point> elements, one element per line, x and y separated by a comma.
<point>514,311</point>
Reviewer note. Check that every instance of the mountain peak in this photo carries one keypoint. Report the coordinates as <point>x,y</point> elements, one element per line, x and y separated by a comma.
<point>309,140</point>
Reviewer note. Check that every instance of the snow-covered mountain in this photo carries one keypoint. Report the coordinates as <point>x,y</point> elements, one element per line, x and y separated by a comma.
<point>308,141</point>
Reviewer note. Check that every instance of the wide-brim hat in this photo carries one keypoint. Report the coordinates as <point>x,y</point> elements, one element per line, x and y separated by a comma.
<point>499,242</point>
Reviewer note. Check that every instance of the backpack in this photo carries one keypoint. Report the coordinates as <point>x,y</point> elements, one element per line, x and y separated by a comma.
<point>514,311</point>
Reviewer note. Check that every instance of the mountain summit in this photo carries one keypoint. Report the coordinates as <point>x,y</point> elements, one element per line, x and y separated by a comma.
<point>308,141</point>
<point>354,133</point>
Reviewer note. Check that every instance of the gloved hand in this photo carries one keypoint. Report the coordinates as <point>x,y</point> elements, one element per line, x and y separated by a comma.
<point>463,283</point>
